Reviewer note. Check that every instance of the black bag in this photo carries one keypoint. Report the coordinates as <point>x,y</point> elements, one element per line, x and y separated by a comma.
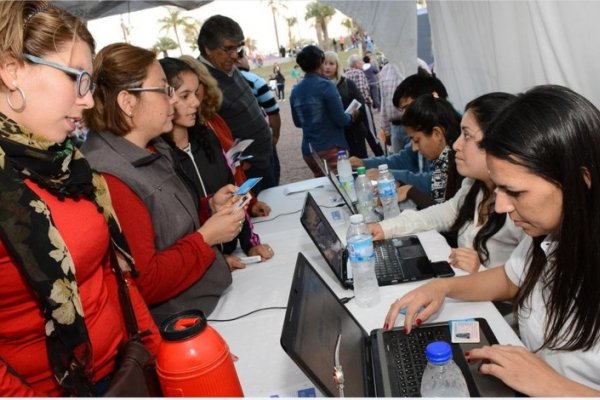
<point>135,374</point>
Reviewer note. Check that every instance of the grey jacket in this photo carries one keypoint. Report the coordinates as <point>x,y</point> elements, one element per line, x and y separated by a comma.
<point>170,204</point>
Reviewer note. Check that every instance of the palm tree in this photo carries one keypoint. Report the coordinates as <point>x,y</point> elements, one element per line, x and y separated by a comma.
<point>322,14</point>
<point>125,29</point>
<point>348,24</point>
<point>274,5</point>
<point>250,44</point>
<point>190,33</point>
<point>164,44</point>
<point>290,23</point>
<point>173,21</point>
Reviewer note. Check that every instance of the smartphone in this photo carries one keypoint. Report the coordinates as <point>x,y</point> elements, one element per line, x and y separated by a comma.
<point>246,186</point>
<point>245,199</point>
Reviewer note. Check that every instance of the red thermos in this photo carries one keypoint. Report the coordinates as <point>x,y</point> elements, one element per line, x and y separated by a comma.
<point>194,360</point>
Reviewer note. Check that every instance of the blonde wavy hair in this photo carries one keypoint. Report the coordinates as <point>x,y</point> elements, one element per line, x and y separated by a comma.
<point>213,97</point>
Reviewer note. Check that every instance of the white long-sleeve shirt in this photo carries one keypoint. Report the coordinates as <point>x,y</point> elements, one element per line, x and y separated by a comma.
<point>442,216</point>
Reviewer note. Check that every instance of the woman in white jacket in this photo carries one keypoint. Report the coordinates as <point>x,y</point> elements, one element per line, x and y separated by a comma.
<point>483,237</point>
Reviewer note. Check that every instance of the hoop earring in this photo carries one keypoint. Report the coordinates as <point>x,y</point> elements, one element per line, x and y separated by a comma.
<point>23,100</point>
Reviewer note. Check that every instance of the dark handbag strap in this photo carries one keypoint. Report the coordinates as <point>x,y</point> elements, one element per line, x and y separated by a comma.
<point>125,299</point>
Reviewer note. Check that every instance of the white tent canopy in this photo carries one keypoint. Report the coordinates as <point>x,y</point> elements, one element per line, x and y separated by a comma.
<point>479,46</point>
<point>483,46</point>
<point>92,9</point>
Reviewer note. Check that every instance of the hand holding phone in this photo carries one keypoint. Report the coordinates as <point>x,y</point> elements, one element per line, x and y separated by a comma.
<point>243,201</point>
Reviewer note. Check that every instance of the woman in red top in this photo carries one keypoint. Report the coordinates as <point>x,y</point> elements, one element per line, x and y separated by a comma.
<point>61,322</point>
<point>169,240</point>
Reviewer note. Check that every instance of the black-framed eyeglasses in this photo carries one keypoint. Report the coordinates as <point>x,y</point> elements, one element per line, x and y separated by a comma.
<point>241,53</point>
<point>168,90</point>
<point>230,50</point>
<point>84,80</point>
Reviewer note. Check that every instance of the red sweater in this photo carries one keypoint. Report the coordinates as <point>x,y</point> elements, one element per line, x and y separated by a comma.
<point>162,274</point>
<point>22,338</point>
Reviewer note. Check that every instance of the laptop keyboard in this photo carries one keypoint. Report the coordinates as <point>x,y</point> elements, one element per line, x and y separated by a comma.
<point>387,265</point>
<point>407,361</point>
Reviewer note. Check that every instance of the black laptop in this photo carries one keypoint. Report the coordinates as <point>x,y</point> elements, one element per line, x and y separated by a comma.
<point>325,340</point>
<point>397,260</point>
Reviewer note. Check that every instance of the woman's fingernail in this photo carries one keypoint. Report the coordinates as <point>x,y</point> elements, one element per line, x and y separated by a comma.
<point>385,326</point>
<point>467,354</point>
<point>418,321</point>
<point>405,331</point>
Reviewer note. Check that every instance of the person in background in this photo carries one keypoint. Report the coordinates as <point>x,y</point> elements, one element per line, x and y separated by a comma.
<point>62,324</point>
<point>357,75</point>
<point>543,154</point>
<point>280,85</point>
<point>296,74</point>
<point>268,104</point>
<point>371,71</point>
<point>209,104</point>
<point>167,226</point>
<point>390,78</point>
<point>220,40</point>
<point>198,154</point>
<point>484,237</point>
<point>356,132</point>
<point>317,109</point>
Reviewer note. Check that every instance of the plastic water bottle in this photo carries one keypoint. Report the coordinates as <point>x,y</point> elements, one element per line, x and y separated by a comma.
<point>362,261</point>
<point>442,377</point>
<point>344,170</point>
<point>364,195</point>
<point>386,184</point>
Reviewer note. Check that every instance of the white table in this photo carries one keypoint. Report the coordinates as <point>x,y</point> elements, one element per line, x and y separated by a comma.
<point>263,367</point>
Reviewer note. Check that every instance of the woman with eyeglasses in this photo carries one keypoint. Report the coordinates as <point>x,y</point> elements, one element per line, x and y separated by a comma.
<point>543,155</point>
<point>198,154</point>
<point>167,226</point>
<point>61,322</point>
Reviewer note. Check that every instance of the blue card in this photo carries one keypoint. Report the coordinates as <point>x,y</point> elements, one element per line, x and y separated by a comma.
<point>246,186</point>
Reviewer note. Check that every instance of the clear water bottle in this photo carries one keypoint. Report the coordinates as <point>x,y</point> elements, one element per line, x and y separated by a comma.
<point>364,195</point>
<point>386,184</point>
<point>344,170</point>
<point>362,260</point>
<point>442,377</point>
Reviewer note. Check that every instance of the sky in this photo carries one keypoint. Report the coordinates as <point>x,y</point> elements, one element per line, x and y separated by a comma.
<point>254,16</point>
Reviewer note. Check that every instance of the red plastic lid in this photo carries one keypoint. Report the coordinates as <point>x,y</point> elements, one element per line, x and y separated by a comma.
<point>183,325</point>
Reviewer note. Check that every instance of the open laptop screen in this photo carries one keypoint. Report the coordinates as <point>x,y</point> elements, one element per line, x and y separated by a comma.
<point>314,318</point>
<point>322,235</point>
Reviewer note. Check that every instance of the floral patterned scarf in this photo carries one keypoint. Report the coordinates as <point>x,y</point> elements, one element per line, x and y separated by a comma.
<point>35,244</point>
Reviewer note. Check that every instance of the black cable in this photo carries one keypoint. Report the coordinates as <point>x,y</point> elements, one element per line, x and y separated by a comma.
<point>275,217</point>
<point>245,315</point>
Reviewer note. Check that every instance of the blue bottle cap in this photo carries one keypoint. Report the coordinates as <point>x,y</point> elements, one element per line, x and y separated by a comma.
<point>438,352</point>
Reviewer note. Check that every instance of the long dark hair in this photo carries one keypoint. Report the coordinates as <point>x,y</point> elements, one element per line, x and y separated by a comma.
<point>484,109</point>
<point>554,133</point>
<point>173,69</point>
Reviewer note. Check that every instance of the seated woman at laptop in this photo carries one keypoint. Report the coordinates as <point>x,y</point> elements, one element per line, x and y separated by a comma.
<point>198,154</point>
<point>543,153</point>
<point>483,236</point>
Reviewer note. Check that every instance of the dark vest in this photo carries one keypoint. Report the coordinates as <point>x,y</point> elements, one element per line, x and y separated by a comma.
<point>170,204</point>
